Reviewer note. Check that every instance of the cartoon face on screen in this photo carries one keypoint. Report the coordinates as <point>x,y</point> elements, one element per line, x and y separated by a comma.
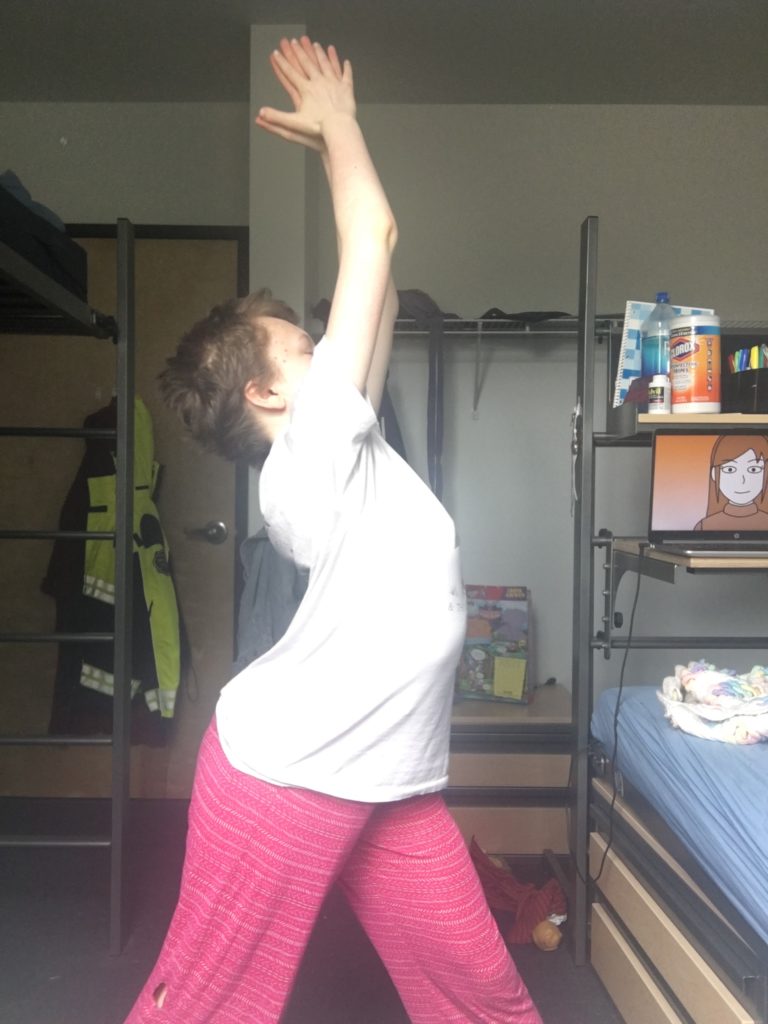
<point>737,485</point>
<point>742,480</point>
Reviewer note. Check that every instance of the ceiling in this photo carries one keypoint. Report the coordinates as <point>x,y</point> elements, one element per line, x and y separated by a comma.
<point>404,51</point>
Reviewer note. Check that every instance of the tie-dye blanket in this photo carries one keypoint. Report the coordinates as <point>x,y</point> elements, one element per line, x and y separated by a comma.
<point>718,704</point>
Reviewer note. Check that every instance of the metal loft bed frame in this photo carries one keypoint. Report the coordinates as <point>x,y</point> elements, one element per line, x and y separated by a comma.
<point>32,303</point>
<point>663,937</point>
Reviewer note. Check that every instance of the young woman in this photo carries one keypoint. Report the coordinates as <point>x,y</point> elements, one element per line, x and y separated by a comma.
<point>327,754</point>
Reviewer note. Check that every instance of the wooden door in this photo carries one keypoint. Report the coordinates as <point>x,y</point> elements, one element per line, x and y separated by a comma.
<point>177,282</point>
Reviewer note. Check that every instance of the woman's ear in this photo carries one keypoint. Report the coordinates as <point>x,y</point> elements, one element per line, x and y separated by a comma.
<point>264,398</point>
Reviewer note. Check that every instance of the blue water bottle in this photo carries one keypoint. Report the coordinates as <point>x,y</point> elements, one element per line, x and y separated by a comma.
<point>654,338</point>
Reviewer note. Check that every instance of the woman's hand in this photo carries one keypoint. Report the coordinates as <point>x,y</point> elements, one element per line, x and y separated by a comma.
<point>321,90</point>
<point>319,86</point>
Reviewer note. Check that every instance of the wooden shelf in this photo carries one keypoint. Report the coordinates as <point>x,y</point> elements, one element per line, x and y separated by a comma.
<point>549,705</point>
<point>625,421</point>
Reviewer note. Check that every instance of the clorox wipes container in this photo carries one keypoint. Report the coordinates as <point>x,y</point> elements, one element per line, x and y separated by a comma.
<point>694,363</point>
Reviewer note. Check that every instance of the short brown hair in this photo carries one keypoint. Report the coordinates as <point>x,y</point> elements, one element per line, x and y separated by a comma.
<point>204,382</point>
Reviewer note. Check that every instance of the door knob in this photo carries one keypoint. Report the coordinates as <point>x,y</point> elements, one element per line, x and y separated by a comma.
<point>213,532</point>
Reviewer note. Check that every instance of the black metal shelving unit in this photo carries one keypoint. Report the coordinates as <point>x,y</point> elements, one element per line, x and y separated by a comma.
<point>31,303</point>
<point>624,428</point>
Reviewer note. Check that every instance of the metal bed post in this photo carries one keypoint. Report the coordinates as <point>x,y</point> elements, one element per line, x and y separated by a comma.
<point>125,359</point>
<point>583,574</point>
<point>32,302</point>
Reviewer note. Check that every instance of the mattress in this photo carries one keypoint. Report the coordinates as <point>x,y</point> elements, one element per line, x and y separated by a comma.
<point>42,244</point>
<point>713,795</point>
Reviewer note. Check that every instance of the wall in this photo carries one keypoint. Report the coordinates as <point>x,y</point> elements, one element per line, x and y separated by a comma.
<point>490,199</point>
<point>489,202</point>
<point>155,163</point>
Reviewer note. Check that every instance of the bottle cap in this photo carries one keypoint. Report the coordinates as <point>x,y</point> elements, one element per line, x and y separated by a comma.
<point>662,296</point>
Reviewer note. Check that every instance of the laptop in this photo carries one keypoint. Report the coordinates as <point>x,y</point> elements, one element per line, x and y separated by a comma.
<point>709,494</point>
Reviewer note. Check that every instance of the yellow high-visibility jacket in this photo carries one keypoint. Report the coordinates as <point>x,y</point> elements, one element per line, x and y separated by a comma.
<point>151,547</point>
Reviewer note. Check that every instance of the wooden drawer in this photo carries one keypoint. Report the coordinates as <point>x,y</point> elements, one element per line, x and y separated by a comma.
<point>637,996</point>
<point>514,830</point>
<point>480,769</point>
<point>692,980</point>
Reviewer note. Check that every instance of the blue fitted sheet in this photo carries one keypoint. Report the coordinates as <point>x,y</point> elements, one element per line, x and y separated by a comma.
<point>713,795</point>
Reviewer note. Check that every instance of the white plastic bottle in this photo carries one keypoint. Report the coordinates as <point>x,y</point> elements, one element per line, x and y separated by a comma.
<point>654,338</point>
<point>659,394</point>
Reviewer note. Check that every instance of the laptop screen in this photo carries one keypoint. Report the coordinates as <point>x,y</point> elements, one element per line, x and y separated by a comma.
<point>713,484</point>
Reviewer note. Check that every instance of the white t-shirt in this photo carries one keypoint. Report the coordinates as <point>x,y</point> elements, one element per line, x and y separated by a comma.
<point>355,699</point>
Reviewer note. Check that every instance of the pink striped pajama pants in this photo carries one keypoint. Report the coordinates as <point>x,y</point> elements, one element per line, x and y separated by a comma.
<point>260,860</point>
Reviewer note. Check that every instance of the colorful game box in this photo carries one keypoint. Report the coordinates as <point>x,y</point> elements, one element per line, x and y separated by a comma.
<point>494,662</point>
